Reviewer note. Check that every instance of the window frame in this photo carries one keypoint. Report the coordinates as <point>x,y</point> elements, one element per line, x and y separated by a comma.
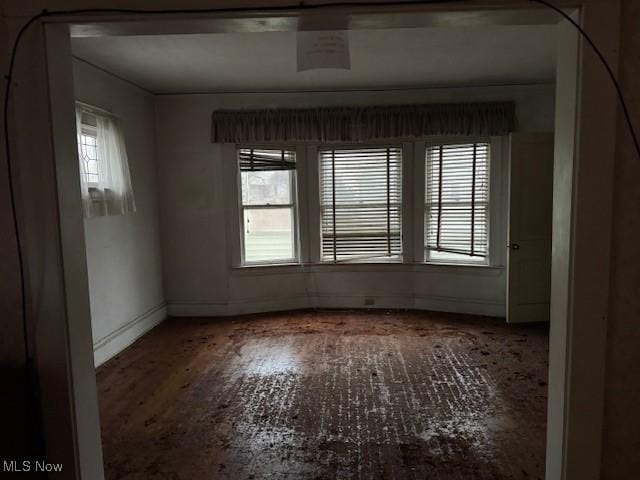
<point>308,211</point>
<point>293,182</point>
<point>494,161</point>
<point>91,131</point>
<point>377,144</point>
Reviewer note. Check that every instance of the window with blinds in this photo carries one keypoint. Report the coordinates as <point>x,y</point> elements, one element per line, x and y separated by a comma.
<point>268,213</point>
<point>360,204</point>
<point>457,202</point>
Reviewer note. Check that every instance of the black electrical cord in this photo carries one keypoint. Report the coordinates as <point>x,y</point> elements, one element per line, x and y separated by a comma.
<point>604,62</point>
<point>301,7</point>
<point>12,196</point>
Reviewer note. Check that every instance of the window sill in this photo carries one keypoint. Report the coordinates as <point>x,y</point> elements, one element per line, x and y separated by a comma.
<point>297,268</point>
<point>459,264</point>
<point>257,266</point>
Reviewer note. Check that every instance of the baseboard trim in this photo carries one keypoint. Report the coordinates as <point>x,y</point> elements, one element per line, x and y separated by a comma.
<point>257,305</point>
<point>110,345</point>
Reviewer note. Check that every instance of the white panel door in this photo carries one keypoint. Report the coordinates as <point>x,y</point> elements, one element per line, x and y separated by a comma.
<point>530,217</point>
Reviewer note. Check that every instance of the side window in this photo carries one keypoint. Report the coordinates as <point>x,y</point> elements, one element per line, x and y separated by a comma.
<point>88,150</point>
<point>457,203</point>
<point>268,205</point>
<point>105,180</point>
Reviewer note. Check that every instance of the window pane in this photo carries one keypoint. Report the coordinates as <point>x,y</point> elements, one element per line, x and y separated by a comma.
<point>457,202</point>
<point>268,234</point>
<point>89,155</point>
<point>92,167</point>
<point>454,257</point>
<point>361,204</point>
<point>271,187</point>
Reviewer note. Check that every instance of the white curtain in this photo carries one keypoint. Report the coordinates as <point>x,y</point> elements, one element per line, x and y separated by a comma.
<point>113,194</point>
<point>114,167</point>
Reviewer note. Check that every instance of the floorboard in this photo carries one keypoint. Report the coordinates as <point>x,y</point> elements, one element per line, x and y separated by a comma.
<point>329,394</point>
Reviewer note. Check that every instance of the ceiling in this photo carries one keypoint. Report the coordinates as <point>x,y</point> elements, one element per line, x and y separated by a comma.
<point>380,59</point>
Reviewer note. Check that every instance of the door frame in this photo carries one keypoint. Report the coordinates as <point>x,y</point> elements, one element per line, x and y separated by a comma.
<point>578,337</point>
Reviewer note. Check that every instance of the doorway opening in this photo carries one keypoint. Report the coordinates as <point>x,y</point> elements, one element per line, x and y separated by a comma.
<point>59,46</point>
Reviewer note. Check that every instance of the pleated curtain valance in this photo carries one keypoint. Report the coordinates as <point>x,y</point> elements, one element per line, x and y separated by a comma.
<point>360,124</point>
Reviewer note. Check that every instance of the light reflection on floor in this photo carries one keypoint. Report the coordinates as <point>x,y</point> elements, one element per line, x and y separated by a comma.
<point>256,358</point>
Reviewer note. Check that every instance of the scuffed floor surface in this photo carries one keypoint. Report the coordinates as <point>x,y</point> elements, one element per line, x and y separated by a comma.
<point>324,395</point>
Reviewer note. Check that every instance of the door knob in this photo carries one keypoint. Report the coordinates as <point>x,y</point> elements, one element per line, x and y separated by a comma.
<point>515,246</point>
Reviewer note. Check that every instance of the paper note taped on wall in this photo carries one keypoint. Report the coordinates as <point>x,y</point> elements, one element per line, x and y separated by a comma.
<point>324,49</point>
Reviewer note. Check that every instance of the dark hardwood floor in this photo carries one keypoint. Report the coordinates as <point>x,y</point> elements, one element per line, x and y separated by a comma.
<point>324,395</point>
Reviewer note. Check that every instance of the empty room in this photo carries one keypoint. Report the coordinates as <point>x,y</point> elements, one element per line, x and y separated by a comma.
<point>330,242</point>
<point>301,193</point>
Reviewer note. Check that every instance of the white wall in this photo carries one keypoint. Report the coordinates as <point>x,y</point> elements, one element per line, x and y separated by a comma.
<point>199,276</point>
<point>123,252</point>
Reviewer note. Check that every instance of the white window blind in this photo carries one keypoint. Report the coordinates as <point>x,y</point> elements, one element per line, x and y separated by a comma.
<point>361,204</point>
<point>268,200</point>
<point>255,160</point>
<point>457,202</point>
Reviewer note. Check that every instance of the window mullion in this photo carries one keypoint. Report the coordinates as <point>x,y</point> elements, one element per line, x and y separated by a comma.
<point>473,198</point>
<point>439,199</point>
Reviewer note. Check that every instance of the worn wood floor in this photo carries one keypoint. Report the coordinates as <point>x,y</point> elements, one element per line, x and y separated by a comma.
<point>324,395</point>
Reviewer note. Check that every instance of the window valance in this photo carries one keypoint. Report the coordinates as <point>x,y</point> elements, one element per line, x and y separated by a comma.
<point>359,124</point>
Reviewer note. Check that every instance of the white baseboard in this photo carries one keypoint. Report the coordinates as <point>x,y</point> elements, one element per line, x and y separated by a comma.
<point>112,344</point>
<point>246,306</point>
